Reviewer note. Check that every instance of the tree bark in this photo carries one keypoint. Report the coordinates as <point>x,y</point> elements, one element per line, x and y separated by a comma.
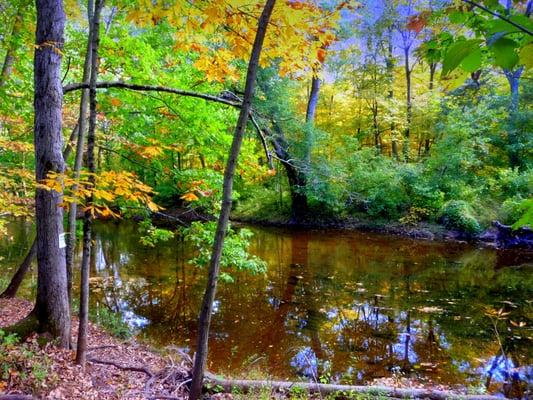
<point>214,265</point>
<point>71,237</point>
<point>81,351</point>
<point>51,307</point>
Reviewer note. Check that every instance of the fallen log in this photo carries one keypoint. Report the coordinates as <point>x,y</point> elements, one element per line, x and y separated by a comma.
<point>329,389</point>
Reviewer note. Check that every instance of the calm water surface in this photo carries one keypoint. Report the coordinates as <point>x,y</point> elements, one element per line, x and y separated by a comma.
<point>348,307</point>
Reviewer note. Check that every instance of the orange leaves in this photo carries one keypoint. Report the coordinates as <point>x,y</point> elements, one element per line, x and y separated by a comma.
<point>189,196</point>
<point>418,22</point>
<point>196,189</point>
<point>321,55</point>
<point>115,102</point>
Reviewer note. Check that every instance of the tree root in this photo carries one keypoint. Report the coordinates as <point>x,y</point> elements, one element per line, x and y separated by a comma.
<point>144,370</point>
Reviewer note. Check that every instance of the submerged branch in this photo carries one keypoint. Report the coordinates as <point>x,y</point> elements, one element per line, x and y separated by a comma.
<point>378,391</point>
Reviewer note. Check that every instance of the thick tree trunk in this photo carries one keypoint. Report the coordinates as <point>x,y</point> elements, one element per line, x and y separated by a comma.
<point>51,307</point>
<point>81,351</point>
<point>9,60</point>
<point>214,264</point>
<point>24,267</point>
<point>71,237</point>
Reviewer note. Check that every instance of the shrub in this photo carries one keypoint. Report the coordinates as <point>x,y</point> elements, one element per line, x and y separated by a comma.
<point>458,214</point>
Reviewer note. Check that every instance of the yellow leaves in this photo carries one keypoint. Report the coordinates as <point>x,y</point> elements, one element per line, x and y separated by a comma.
<point>222,32</point>
<point>110,187</point>
<point>15,146</point>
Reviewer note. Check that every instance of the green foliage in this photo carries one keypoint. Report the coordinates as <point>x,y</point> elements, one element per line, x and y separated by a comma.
<point>152,235</point>
<point>111,321</point>
<point>458,214</point>
<point>235,254</point>
<point>525,208</point>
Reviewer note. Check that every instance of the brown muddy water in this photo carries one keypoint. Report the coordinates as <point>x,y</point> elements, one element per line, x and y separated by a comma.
<point>333,306</point>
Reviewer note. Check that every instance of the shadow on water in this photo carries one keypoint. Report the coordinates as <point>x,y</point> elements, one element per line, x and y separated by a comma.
<point>349,307</point>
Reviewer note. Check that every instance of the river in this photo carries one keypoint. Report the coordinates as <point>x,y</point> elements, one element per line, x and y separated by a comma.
<point>333,306</point>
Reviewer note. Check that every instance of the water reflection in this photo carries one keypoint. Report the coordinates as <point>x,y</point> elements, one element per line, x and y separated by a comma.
<point>348,307</point>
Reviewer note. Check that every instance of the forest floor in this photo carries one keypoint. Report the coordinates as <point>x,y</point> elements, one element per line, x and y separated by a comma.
<point>115,369</point>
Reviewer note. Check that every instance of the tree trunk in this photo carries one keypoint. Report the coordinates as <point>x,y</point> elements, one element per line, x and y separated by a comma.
<point>9,59</point>
<point>204,322</point>
<point>81,351</point>
<point>432,70</point>
<point>375,125</point>
<point>513,77</point>
<point>296,177</point>
<point>71,237</point>
<point>14,284</point>
<point>313,100</point>
<point>310,119</point>
<point>24,267</point>
<point>409,107</point>
<point>51,307</point>
<point>390,73</point>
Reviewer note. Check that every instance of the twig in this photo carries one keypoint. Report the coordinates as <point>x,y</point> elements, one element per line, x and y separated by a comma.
<point>102,347</point>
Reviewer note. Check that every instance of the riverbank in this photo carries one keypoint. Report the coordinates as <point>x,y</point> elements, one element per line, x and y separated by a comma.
<point>130,370</point>
<point>497,236</point>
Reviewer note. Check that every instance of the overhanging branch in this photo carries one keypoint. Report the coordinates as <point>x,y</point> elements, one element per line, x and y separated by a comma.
<point>151,88</point>
<point>495,14</point>
<point>164,89</point>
